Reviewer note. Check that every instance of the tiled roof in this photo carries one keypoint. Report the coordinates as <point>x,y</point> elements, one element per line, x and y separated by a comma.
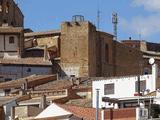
<point>32,34</point>
<point>32,81</point>
<point>4,100</point>
<point>80,102</point>
<point>11,29</point>
<point>26,61</point>
<point>81,112</point>
<point>55,85</point>
<point>37,100</point>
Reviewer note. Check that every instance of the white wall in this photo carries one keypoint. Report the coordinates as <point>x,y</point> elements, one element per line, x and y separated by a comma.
<point>124,87</point>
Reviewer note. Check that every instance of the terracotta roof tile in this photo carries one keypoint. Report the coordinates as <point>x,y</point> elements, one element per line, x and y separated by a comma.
<point>32,81</point>
<point>81,112</point>
<point>55,85</point>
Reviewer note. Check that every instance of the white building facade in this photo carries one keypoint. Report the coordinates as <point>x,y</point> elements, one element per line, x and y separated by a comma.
<point>123,87</point>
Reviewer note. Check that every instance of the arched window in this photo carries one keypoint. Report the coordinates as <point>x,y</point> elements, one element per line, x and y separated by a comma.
<point>7,8</point>
<point>4,21</point>
<point>1,7</point>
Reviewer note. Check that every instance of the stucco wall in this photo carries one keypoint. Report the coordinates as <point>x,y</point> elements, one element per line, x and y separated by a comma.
<point>123,87</point>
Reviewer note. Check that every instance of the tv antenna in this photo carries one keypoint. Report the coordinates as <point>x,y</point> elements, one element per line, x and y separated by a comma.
<point>115,22</point>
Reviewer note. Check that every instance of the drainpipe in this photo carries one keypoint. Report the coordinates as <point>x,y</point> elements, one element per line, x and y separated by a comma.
<point>139,85</point>
<point>97,103</point>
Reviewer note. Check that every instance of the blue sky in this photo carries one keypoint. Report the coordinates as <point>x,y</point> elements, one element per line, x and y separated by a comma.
<point>139,19</point>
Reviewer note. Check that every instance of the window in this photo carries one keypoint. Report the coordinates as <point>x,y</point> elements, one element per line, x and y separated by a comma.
<point>142,85</point>
<point>11,40</point>
<point>29,70</point>
<point>7,8</point>
<point>7,91</point>
<point>108,89</point>
<point>106,53</point>
<point>7,79</point>
<point>1,7</point>
<point>146,71</point>
<point>4,21</point>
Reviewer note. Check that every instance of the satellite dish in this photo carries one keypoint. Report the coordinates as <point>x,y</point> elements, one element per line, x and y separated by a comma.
<point>151,61</point>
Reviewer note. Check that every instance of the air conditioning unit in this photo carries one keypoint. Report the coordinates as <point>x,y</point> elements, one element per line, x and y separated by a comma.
<point>141,114</point>
<point>144,112</point>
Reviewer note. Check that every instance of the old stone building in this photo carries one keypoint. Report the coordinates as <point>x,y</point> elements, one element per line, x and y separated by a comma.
<point>82,51</point>
<point>10,14</point>
<point>149,50</point>
<point>88,52</point>
<point>17,60</point>
<point>11,42</point>
<point>77,49</point>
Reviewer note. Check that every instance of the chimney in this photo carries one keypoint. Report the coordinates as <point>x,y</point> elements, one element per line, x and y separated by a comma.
<point>43,102</point>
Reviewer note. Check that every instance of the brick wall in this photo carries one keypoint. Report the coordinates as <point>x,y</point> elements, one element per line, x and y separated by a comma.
<point>106,65</point>
<point>120,114</point>
<point>126,60</point>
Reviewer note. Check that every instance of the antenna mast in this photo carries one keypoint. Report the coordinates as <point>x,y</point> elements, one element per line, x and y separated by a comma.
<point>98,19</point>
<point>98,15</point>
<point>115,22</point>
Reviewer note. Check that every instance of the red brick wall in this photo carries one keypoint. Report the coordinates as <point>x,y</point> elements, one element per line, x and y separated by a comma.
<point>120,114</point>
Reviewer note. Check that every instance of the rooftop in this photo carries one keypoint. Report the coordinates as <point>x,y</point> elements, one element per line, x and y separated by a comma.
<point>32,81</point>
<point>11,29</point>
<point>51,32</point>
